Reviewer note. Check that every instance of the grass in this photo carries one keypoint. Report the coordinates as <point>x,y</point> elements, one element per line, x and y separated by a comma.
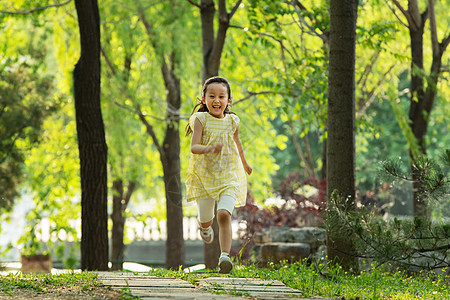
<point>48,283</point>
<point>371,284</point>
<point>311,279</point>
<point>334,282</point>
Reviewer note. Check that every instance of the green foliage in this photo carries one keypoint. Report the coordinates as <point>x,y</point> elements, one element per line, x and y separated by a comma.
<point>411,244</point>
<point>433,176</point>
<point>26,99</point>
<point>404,123</point>
<point>52,182</point>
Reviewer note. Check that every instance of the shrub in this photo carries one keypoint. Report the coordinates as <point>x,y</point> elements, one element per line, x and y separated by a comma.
<point>302,204</point>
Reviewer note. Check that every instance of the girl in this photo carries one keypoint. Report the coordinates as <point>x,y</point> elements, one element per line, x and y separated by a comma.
<point>216,168</point>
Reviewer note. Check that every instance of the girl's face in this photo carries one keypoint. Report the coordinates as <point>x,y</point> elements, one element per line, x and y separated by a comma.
<point>216,99</point>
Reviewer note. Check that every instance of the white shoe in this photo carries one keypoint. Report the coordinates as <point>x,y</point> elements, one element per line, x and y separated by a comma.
<point>225,264</point>
<point>207,235</point>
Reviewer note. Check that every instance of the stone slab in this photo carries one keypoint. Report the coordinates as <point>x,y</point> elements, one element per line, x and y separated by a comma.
<point>211,288</point>
<point>250,287</point>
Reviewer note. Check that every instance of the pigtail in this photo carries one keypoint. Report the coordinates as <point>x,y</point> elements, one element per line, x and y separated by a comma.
<point>199,107</point>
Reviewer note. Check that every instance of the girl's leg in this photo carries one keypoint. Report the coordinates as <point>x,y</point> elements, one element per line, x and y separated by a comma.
<point>205,209</point>
<point>224,211</point>
<point>225,233</point>
<point>206,224</point>
<point>205,219</point>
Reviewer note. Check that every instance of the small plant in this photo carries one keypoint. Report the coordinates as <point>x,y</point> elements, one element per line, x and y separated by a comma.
<point>412,244</point>
<point>126,292</point>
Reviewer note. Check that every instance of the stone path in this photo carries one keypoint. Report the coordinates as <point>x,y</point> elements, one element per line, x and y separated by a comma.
<point>224,288</point>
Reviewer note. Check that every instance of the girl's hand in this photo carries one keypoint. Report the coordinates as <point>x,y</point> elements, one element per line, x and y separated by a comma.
<point>248,169</point>
<point>215,148</point>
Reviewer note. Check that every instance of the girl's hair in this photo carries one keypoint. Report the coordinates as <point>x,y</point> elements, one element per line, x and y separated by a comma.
<point>202,107</point>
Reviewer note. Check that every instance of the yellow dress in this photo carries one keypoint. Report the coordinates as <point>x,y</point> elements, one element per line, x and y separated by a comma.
<point>214,174</point>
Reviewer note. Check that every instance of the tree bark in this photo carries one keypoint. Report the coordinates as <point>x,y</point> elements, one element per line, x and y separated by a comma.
<point>416,115</point>
<point>120,203</point>
<point>341,122</point>
<point>175,253</point>
<point>91,140</point>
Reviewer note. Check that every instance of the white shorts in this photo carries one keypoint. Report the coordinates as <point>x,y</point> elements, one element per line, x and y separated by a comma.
<point>206,207</point>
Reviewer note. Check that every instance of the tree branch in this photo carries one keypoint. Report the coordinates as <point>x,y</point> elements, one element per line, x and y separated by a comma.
<point>367,70</point>
<point>193,3</point>
<point>423,250</point>
<point>234,9</point>
<point>302,20</point>
<point>33,10</point>
<point>108,61</point>
<point>443,45</point>
<point>130,190</point>
<point>298,148</point>
<point>363,104</point>
<point>251,94</point>
<point>405,13</point>
<point>151,132</point>
<point>137,112</point>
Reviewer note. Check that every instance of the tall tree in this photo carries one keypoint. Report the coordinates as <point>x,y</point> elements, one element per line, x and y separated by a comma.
<point>91,140</point>
<point>169,149</point>
<point>212,47</point>
<point>423,86</point>
<point>341,123</point>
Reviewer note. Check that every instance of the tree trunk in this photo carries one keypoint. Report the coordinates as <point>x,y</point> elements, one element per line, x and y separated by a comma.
<point>120,203</point>
<point>418,124</point>
<point>175,253</point>
<point>323,171</point>
<point>117,227</point>
<point>341,122</point>
<point>422,100</point>
<point>91,140</point>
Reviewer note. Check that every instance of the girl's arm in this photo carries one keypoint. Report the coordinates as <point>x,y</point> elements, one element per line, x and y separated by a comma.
<point>237,140</point>
<point>196,141</point>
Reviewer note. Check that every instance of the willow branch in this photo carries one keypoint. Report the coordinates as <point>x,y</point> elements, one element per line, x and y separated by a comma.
<point>251,94</point>
<point>194,3</point>
<point>234,9</point>
<point>33,10</point>
<point>405,13</point>
<point>302,20</point>
<point>151,132</point>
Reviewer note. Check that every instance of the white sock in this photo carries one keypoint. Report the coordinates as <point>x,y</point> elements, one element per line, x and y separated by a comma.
<point>224,254</point>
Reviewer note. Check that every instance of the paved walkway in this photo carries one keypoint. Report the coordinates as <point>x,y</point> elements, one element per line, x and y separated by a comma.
<point>223,288</point>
